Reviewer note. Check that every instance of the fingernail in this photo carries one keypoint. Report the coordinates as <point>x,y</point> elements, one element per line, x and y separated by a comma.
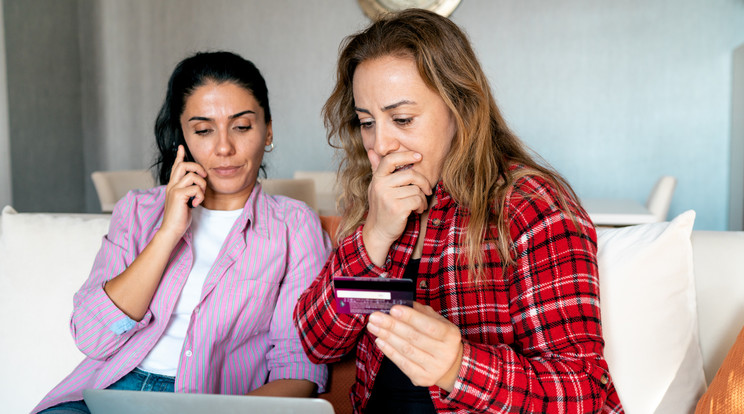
<point>417,156</point>
<point>374,318</point>
<point>395,311</point>
<point>380,343</point>
<point>373,328</point>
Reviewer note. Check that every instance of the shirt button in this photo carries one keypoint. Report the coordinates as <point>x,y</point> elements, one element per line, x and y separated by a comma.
<point>422,284</point>
<point>188,353</point>
<point>436,222</point>
<point>604,379</point>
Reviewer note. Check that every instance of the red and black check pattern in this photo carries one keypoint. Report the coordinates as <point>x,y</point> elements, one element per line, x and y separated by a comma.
<point>532,335</point>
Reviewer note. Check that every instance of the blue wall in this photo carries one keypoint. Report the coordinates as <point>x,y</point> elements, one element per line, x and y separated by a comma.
<point>613,93</point>
<point>616,94</point>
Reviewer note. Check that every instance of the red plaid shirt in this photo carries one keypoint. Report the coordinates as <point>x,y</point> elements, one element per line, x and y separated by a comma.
<point>532,340</point>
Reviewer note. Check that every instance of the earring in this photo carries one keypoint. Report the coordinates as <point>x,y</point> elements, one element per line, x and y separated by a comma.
<point>271,146</point>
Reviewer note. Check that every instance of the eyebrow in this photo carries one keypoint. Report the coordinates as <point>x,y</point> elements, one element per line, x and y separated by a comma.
<point>238,115</point>
<point>387,108</point>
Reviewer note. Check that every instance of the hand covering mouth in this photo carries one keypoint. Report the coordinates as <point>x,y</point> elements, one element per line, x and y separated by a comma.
<point>402,168</point>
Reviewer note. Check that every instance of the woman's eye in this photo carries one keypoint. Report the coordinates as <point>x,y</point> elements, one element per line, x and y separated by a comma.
<point>403,121</point>
<point>243,128</point>
<point>202,131</point>
<point>366,124</point>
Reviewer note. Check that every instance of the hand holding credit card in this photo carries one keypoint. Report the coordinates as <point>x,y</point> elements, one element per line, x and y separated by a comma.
<point>364,295</point>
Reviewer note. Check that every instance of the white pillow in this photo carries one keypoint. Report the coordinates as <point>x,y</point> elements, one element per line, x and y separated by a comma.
<point>649,315</point>
<point>44,259</point>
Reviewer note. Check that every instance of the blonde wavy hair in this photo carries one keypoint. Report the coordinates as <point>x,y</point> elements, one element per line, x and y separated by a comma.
<point>476,170</point>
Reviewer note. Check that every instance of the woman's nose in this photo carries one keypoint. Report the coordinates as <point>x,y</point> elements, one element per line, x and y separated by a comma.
<point>385,142</point>
<point>224,143</point>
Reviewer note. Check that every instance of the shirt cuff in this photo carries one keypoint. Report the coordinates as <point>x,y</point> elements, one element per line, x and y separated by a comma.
<point>476,381</point>
<point>102,309</point>
<point>356,259</point>
<point>123,325</point>
<point>317,373</point>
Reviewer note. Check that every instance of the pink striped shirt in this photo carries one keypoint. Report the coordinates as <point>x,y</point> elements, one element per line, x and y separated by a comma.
<point>241,333</point>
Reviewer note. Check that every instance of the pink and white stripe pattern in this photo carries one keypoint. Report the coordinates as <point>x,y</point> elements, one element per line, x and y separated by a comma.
<point>241,333</point>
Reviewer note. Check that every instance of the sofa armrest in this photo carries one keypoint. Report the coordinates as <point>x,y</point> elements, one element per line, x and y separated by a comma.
<point>44,259</point>
<point>719,283</point>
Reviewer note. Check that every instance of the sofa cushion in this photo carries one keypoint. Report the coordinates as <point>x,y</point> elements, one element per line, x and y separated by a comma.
<point>648,304</point>
<point>44,259</point>
<point>719,279</point>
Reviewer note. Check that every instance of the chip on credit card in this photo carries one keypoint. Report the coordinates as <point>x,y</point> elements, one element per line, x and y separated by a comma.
<point>364,295</point>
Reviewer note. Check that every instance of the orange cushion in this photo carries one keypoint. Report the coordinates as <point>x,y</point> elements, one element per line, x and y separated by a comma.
<point>330,225</point>
<point>726,392</point>
<point>342,373</point>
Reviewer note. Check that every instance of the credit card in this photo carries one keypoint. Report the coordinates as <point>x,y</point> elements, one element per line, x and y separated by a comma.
<point>364,295</point>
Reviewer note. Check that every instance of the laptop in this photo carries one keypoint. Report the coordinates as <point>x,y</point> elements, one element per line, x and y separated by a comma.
<point>145,402</point>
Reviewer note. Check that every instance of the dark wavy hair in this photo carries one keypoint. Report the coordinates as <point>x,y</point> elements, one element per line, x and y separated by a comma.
<point>189,74</point>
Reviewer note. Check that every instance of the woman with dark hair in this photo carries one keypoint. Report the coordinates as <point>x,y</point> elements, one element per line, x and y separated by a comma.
<point>436,188</point>
<point>194,284</point>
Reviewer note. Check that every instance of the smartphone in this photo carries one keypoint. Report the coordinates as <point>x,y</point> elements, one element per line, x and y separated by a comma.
<point>187,158</point>
<point>364,295</point>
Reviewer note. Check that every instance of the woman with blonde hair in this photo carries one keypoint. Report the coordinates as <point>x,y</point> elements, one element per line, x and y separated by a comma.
<point>437,189</point>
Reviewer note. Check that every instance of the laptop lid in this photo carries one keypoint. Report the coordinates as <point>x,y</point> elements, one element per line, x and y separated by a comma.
<point>139,402</point>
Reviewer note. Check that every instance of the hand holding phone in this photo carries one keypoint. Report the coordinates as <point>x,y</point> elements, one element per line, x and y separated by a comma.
<point>187,158</point>
<point>187,181</point>
<point>188,178</point>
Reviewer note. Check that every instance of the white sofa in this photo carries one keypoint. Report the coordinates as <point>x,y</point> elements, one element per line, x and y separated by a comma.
<point>652,306</point>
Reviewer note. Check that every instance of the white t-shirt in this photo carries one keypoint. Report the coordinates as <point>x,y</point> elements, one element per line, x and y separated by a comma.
<point>209,229</point>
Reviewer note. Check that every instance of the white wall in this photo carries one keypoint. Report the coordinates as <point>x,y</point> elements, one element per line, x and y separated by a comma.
<point>612,93</point>
<point>6,196</point>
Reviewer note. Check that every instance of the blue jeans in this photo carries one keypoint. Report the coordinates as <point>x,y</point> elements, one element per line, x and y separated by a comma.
<point>137,380</point>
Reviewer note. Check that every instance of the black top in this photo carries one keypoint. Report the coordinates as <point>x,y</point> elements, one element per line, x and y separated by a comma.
<point>393,391</point>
